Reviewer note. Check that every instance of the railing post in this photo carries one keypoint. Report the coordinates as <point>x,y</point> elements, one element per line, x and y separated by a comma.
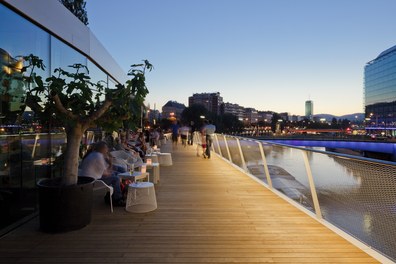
<point>241,153</point>
<point>312,186</point>
<point>228,150</point>
<point>265,165</point>
<point>218,145</point>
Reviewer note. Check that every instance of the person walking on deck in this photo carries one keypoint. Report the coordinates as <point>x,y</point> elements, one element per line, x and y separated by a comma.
<point>209,130</point>
<point>184,132</point>
<point>175,133</point>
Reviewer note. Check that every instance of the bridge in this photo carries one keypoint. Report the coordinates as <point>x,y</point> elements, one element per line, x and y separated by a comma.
<point>208,212</point>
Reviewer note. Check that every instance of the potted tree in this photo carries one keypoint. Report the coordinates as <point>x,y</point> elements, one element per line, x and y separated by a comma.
<point>65,202</point>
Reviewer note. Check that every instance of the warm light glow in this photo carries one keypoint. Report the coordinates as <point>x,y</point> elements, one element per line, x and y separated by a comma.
<point>7,69</point>
<point>19,65</point>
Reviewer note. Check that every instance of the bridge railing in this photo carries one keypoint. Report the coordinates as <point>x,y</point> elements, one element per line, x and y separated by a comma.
<point>354,194</point>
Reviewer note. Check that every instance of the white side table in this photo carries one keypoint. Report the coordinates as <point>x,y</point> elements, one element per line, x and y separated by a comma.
<point>141,197</point>
<point>155,167</point>
<point>136,175</point>
<point>153,157</point>
<point>165,159</point>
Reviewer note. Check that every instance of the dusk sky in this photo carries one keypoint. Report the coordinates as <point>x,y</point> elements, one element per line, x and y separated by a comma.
<point>270,55</point>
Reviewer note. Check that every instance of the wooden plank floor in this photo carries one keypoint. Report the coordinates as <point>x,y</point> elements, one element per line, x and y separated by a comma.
<point>207,212</point>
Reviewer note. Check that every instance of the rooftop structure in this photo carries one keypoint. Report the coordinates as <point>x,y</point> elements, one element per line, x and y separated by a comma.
<point>221,215</point>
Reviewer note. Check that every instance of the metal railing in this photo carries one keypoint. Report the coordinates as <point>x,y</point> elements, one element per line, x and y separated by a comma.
<point>354,194</point>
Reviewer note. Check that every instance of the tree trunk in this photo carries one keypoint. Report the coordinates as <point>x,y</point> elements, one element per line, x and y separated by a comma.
<point>70,165</point>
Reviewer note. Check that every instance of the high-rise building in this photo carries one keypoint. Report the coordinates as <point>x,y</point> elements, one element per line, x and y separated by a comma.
<point>380,90</point>
<point>309,109</point>
<point>211,101</point>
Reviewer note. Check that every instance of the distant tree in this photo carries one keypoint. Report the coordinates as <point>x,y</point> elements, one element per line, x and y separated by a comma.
<point>194,113</point>
<point>274,121</point>
<point>165,123</point>
<point>334,123</point>
<point>345,123</point>
<point>77,7</point>
<point>229,123</point>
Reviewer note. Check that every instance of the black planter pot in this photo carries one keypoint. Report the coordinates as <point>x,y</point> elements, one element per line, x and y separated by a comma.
<point>65,208</point>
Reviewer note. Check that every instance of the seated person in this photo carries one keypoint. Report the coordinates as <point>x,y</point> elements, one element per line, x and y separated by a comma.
<point>94,165</point>
<point>140,145</point>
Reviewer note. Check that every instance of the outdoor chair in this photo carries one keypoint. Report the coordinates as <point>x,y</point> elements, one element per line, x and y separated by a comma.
<point>121,157</point>
<point>99,184</point>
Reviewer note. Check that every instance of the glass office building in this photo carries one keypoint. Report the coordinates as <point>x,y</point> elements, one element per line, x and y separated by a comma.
<point>48,30</point>
<point>309,109</point>
<point>380,93</point>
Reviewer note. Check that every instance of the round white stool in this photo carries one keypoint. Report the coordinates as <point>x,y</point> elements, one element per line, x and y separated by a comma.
<point>141,197</point>
<point>165,159</point>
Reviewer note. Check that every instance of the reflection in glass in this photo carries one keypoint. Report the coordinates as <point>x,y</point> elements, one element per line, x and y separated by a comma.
<point>62,55</point>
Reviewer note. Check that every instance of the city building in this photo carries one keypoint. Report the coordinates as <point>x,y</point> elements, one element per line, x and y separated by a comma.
<point>172,109</point>
<point>380,92</point>
<point>295,118</point>
<point>284,116</point>
<point>211,101</point>
<point>264,116</point>
<point>309,109</point>
<point>251,116</point>
<point>44,28</point>
<point>234,109</point>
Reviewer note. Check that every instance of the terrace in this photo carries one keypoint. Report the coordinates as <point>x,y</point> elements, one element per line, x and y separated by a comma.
<point>208,211</point>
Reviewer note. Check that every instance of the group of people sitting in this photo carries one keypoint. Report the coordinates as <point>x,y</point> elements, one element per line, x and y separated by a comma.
<point>103,161</point>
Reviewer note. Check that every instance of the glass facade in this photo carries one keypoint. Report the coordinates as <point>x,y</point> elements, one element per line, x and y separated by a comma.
<point>380,92</point>
<point>28,149</point>
<point>309,109</point>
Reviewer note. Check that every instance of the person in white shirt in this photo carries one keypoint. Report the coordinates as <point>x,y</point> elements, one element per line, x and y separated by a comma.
<point>96,164</point>
<point>209,130</point>
<point>184,131</point>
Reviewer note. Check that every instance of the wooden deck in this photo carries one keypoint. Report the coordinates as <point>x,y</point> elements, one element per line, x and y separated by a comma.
<point>207,212</point>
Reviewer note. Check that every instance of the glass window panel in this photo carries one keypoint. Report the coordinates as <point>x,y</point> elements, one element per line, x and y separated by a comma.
<point>96,74</point>
<point>62,55</point>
